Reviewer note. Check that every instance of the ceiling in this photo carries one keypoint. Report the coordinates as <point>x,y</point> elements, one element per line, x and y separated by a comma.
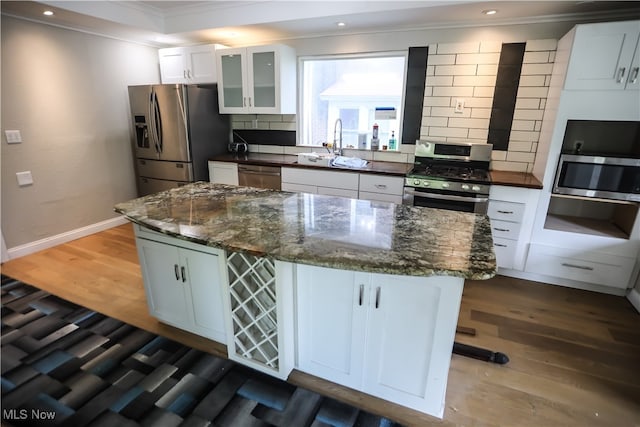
<point>238,23</point>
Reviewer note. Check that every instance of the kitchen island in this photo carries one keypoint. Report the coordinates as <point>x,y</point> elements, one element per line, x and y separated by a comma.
<point>364,294</point>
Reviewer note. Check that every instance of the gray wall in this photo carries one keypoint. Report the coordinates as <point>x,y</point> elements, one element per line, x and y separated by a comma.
<point>66,91</point>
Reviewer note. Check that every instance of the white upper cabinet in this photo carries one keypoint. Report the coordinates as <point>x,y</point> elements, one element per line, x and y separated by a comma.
<point>605,57</point>
<point>258,80</point>
<point>195,64</point>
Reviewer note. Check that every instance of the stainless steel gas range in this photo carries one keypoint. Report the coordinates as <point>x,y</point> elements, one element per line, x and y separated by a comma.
<point>449,175</point>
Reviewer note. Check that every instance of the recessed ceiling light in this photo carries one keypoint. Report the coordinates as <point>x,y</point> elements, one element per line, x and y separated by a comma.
<point>341,24</point>
<point>48,13</point>
<point>490,12</point>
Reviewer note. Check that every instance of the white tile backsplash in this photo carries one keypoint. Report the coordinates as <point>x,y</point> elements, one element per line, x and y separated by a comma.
<point>475,66</point>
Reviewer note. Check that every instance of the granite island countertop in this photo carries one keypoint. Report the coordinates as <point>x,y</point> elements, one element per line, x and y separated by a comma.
<point>324,231</point>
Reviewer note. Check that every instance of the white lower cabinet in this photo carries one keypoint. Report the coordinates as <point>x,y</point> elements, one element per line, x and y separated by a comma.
<point>388,336</point>
<point>511,211</point>
<point>318,181</point>
<point>223,172</point>
<point>381,188</point>
<point>581,265</point>
<point>183,285</point>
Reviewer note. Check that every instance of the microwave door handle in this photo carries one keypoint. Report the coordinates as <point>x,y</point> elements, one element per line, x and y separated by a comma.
<point>447,197</point>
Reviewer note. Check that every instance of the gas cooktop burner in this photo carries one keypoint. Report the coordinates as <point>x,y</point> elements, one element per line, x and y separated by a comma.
<point>451,173</point>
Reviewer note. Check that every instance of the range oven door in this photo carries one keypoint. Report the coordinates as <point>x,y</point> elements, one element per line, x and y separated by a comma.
<point>461,202</point>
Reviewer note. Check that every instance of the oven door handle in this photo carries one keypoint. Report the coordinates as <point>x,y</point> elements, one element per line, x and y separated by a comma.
<point>452,197</point>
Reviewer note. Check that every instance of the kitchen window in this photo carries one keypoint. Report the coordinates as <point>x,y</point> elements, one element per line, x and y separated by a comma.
<point>361,90</point>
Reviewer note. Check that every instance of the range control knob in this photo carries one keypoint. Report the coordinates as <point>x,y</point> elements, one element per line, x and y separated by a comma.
<point>445,185</point>
<point>416,182</point>
<point>465,186</point>
<point>476,188</point>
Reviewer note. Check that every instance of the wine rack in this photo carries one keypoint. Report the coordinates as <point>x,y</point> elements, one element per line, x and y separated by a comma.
<point>252,288</point>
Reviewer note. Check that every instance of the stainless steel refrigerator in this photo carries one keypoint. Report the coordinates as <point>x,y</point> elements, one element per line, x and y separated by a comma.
<point>177,128</point>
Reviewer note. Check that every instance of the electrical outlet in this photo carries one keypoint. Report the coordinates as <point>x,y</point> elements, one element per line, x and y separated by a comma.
<point>13,136</point>
<point>24,178</point>
<point>459,108</point>
<point>254,124</point>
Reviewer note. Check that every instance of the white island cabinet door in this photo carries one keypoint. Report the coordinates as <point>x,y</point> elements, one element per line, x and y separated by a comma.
<point>412,327</point>
<point>165,291</point>
<point>332,309</point>
<point>204,277</point>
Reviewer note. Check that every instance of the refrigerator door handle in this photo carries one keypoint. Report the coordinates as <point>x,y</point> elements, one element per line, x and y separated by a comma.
<point>152,124</point>
<point>157,121</point>
<point>181,107</point>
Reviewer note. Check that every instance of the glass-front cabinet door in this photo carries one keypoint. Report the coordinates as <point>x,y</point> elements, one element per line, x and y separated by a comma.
<point>257,80</point>
<point>263,72</point>
<point>231,90</point>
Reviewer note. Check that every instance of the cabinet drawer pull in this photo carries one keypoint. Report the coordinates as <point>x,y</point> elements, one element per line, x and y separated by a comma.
<point>244,101</point>
<point>621,72</point>
<point>184,274</point>
<point>506,212</point>
<point>500,245</point>
<point>633,77</point>
<point>361,293</point>
<point>381,186</point>
<point>378,297</point>
<point>501,229</point>
<point>177,271</point>
<point>184,74</point>
<point>581,267</point>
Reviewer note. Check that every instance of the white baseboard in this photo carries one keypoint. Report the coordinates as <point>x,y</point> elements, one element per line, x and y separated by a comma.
<point>634,297</point>
<point>48,242</point>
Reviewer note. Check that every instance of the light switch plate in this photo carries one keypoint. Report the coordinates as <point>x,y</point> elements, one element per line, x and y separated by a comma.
<point>24,178</point>
<point>13,136</point>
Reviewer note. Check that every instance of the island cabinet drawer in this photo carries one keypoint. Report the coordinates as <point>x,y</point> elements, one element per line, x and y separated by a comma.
<point>381,184</point>
<point>505,250</point>
<point>321,178</point>
<point>506,211</point>
<point>505,229</point>
<point>591,267</point>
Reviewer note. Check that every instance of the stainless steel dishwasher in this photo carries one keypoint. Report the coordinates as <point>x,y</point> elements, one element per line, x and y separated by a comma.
<point>259,176</point>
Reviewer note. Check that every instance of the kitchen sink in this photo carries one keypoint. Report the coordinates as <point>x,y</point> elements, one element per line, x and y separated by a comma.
<point>348,162</point>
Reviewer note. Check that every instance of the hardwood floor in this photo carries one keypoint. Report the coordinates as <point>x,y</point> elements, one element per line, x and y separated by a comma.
<point>574,355</point>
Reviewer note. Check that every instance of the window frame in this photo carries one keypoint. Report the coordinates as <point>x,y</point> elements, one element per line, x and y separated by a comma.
<point>340,56</point>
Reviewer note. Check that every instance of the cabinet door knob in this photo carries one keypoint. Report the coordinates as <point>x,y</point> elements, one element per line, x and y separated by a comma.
<point>177,271</point>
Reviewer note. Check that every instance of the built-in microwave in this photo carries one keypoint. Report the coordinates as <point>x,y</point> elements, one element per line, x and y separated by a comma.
<point>600,177</point>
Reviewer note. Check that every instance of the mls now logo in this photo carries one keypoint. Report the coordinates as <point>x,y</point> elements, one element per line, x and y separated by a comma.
<point>25,414</point>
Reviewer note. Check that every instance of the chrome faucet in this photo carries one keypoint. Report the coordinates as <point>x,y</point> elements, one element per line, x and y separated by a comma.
<point>335,139</point>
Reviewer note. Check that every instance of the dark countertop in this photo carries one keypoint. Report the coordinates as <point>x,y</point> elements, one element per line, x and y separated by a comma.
<point>321,230</point>
<point>511,179</point>
<point>387,168</point>
<point>515,179</point>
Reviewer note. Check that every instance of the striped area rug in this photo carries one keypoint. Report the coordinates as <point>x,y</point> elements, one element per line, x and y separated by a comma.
<point>65,365</point>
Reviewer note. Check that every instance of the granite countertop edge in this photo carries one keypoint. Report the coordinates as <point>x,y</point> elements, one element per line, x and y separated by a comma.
<point>481,265</point>
<point>346,265</point>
